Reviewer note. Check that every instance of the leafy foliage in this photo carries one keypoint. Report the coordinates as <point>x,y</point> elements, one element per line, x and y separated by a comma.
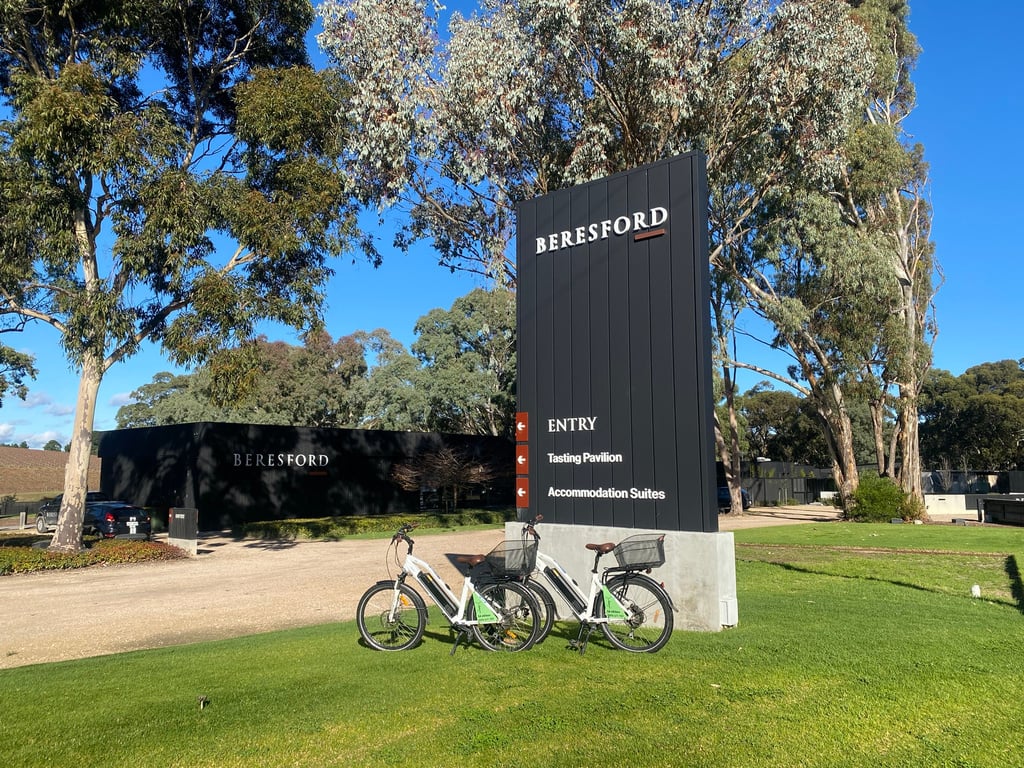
<point>879,499</point>
<point>975,420</point>
<point>15,367</point>
<point>18,558</point>
<point>460,378</point>
<point>841,265</point>
<point>332,528</point>
<point>183,216</point>
<point>316,385</point>
<point>533,96</point>
<point>468,358</point>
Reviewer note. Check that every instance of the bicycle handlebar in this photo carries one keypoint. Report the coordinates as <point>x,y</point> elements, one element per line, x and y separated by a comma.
<point>528,527</point>
<point>402,534</point>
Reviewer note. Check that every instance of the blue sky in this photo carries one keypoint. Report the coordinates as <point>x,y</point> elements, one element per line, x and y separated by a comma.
<point>970,105</point>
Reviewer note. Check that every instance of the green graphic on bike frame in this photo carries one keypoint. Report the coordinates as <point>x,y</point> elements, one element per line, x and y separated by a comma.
<point>483,611</point>
<point>612,609</point>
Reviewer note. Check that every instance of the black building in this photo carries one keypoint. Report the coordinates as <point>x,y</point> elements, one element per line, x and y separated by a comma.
<point>234,473</point>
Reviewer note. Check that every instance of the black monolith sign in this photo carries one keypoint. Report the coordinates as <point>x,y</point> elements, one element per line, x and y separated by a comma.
<point>615,391</point>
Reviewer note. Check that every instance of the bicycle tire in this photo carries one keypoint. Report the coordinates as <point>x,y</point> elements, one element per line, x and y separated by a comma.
<point>381,629</point>
<point>519,622</point>
<point>546,603</point>
<point>649,621</point>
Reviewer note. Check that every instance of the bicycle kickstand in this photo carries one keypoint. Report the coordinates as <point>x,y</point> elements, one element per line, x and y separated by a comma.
<point>461,633</point>
<point>580,643</point>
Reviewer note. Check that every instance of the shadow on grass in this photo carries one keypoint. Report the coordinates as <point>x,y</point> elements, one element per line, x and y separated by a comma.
<point>1010,567</point>
<point>1016,587</point>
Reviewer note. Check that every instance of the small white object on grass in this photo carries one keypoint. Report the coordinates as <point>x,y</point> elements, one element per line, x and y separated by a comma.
<point>975,591</point>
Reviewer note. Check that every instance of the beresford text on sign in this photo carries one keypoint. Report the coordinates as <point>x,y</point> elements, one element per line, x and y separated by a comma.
<point>602,230</point>
<point>281,460</point>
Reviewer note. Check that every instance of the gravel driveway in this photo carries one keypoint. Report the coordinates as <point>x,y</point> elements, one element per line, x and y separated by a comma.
<point>231,588</point>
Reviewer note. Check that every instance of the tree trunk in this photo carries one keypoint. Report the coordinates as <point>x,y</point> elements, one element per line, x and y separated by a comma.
<point>839,436</point>
<point>910,449</point>
<point>733,469</point>
<point>68,535</point>
<point>877,409</point>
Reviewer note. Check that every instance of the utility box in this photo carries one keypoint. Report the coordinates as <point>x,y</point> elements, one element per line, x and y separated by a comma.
<point>183,528</point>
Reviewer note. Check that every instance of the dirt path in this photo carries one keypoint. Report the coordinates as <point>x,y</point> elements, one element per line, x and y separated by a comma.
<point>231,588</point>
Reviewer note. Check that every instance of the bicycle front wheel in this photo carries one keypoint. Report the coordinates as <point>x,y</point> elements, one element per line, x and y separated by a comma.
<point>546,603</point>
<point>391,616</point>
<point>518,620</point>
<point>648,622</point>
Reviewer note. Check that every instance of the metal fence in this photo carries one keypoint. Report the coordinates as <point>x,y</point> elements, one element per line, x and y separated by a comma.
<point>13,512</point>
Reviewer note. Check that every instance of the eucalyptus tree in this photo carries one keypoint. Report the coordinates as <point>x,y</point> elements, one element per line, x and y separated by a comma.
<point>531,96</point>
<point>168,176</point>
<point>527,97</point>
<point>882,191</point>
<point>848,291</point>
<point>468,358</point>
<point>389,395</point>
<point>317,384</point>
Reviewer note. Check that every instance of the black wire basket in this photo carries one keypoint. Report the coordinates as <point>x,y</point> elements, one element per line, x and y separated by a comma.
<point>645,550</point>
<point>513,557</point>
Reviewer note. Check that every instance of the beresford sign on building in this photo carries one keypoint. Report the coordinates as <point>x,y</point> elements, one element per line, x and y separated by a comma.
<point>615,427</point>
<point>615,393</point>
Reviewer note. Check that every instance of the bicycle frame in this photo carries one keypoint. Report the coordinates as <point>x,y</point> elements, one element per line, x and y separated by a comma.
<point>454,608</point>
<point>581,604</point>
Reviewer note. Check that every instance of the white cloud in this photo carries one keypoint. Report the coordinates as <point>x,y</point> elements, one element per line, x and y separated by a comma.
<point>6,430</point>
<point>45,402</point>
<point>36,400</point>
<point>40,439</point>
<point>60,409</point>
<point>121,398</point>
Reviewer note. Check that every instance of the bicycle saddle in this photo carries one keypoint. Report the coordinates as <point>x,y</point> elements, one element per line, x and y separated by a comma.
<point>470,560</point>
<point>604,549</point>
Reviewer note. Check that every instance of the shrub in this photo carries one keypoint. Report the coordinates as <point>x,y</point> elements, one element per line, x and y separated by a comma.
<point>879,499</point>
<point>25,558</point>
<point>332,528</point>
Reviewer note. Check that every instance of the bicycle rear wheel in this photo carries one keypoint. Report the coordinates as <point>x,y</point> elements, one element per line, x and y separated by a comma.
<point>391,616</point>
<point>518,617</point>
<point>648,623</point>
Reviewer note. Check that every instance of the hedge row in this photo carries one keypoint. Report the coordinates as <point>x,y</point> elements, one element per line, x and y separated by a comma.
<point>333,528</point>
<point>18,557</point>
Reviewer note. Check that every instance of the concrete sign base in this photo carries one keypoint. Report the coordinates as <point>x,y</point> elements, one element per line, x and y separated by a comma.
<point>699,571</point>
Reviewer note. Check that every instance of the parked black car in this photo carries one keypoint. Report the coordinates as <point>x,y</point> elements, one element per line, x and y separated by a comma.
<point>103,516</point>
<point>724,500</point>
<point>116,519</point>
<point>49,510</point>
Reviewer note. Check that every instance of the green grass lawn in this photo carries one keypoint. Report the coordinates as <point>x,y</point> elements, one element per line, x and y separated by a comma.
<point>844,656</point>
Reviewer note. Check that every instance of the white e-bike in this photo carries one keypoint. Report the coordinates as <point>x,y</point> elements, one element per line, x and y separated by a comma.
<point>633,611</point>
<point>501,614</point>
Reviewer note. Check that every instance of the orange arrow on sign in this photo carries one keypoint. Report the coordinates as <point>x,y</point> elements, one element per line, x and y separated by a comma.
<point>522,460</point>
<point>522,492</point>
